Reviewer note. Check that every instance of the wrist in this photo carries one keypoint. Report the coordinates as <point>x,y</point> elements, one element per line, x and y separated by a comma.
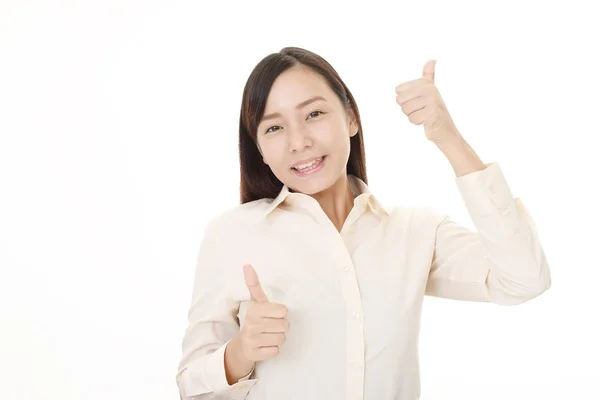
<point>461,156</point>
<point>452,146</point>
<point>236,365</point>
<point>450,140</point>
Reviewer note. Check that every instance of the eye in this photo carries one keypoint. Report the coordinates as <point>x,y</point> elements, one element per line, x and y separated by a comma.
<point>269,130</point>
<point>315,112</point>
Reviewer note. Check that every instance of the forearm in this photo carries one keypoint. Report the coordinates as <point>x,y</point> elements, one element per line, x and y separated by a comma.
<point>236,366</point>
<point>461,156</point>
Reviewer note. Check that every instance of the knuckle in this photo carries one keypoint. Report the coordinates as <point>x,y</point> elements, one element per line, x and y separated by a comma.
<point>284,311</point>
<point>254,342</point>
<point>274,351</point>
<point>248,328</point>
<point>267,352</point>
<point>252,330</point>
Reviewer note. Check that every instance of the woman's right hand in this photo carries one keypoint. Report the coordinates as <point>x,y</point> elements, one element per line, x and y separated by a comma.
<point>262,333</point>
<point>265,326</point>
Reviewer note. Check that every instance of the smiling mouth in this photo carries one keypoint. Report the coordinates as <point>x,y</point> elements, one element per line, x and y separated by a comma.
<point>309,166</point>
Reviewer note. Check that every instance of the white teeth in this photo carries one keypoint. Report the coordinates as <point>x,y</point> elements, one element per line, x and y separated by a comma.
<point>307,165</point>
<point>310,164</point>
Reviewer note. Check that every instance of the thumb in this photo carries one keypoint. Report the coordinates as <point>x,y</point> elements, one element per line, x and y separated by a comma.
<point>256,292</point>
<point>429,70</point>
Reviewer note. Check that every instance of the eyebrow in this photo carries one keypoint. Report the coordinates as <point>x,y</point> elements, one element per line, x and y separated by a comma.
<point>299,106</point>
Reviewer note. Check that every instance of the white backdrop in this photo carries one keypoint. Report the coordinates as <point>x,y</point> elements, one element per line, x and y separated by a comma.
<point>118,141</point>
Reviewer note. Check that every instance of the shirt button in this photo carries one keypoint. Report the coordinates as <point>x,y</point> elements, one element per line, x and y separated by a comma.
<point>346,268</point>
<point>519,205</point>
<point>356,315</point>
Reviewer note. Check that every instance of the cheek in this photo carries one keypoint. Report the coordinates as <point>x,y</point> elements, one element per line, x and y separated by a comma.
<point>340,136</point>
<point>273,153</point>
<point>332,134</point>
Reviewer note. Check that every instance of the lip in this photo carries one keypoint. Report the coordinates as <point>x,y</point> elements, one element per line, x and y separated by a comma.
<point>311,172</point>
<point>306,161</point>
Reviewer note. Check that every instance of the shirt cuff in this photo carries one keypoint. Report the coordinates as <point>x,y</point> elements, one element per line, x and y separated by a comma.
<point>215,369</point>
<point>486,192</point>
<point>214,378</point>
<point>245,378</point>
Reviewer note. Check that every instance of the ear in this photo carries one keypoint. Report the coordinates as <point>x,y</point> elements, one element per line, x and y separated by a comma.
<point>352,123</point>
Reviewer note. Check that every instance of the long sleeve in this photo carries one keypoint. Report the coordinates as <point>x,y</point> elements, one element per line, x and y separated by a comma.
<point>503,261</point>
<point>212,323</point>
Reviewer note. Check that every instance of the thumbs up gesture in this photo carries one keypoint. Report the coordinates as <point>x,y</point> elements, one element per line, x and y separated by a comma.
<point>423,104</point>
<point>265,326</point>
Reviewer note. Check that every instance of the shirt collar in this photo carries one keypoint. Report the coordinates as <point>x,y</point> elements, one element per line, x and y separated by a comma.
<point>363,197</point>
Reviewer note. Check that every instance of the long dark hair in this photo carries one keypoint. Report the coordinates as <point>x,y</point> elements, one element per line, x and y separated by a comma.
<point>257,181</point>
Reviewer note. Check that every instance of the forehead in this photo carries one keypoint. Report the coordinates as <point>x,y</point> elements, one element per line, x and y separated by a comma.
<point>295,85</point>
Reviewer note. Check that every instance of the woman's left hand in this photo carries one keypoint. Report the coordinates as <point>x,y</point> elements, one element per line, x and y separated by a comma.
<point>423,104</point>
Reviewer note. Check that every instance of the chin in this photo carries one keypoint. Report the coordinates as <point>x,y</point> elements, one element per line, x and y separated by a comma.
<point>310,189</point>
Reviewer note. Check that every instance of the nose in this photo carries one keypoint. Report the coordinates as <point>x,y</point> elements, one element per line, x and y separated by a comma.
<point>298,139</point>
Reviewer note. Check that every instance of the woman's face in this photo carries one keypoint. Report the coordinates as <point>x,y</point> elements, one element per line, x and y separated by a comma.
<point>304,136</point>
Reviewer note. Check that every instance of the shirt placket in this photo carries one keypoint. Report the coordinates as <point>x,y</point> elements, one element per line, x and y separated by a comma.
<point>355,333</point>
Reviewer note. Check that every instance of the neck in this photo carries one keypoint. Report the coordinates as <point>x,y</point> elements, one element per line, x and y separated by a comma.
<point>337,201</point>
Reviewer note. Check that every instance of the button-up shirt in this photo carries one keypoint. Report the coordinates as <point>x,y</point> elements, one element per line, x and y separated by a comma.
<point>354,296</point>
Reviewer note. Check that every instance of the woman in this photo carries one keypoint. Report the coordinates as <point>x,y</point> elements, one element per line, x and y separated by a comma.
<point>311,288</point>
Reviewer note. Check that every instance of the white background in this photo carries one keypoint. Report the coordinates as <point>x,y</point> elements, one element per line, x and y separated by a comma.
<point>118,141</point>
